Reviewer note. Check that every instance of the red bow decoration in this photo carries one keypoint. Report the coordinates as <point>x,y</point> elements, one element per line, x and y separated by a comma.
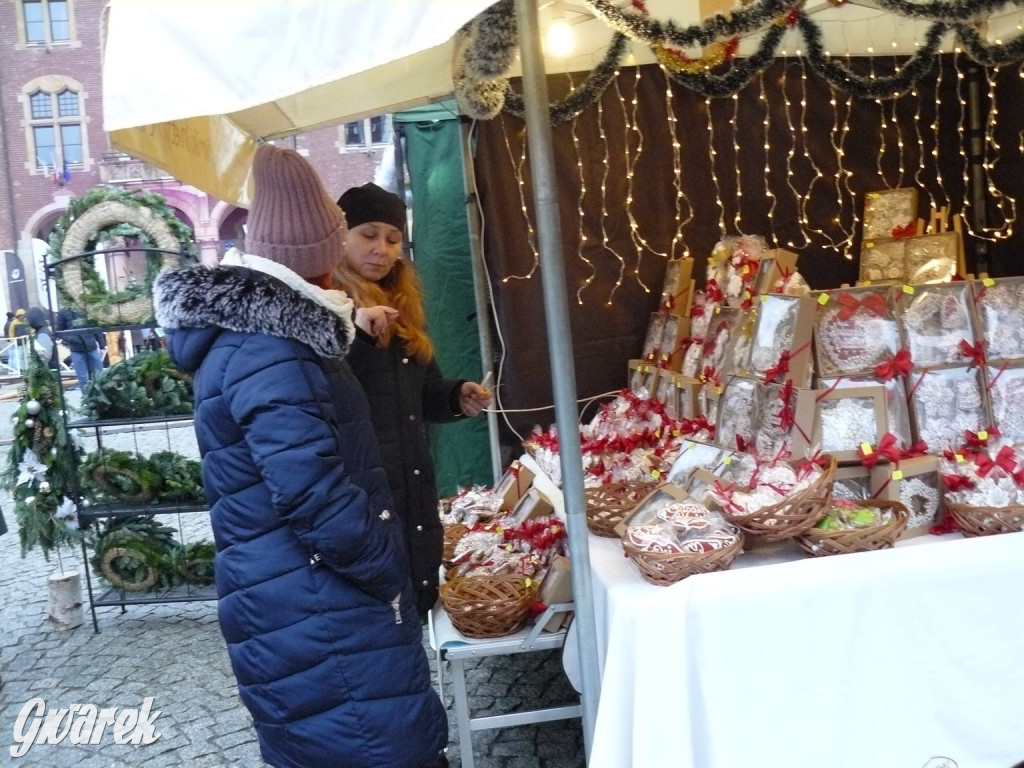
<point>957,482</point>
<point>786,417</point>
<point>888,448</point>
<point>793,17</point>
<point>697,310</point>
<point>906,231</point>
<point>974,440</point>
<point>920,448</point>
<point>1018,478</point>
<point>724,494</point>
<point>708,374</point>
<point>849,304</point>
<point>741,444</point>
<point>974,353</point>
<point>781,368</point>
<point>948,524</point>
<point>731,46</point>
<point>713,291</point>
<point>1005,460</point>
<point>899,364</point>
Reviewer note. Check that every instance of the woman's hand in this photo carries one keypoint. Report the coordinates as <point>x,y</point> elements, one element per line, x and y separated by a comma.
<point>473,398</point>
<point>373,320</point>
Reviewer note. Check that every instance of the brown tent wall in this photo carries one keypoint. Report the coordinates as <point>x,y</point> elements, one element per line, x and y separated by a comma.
<point>613,292</point>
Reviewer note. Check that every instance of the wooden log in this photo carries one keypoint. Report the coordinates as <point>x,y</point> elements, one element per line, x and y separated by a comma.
<point>65,603</point>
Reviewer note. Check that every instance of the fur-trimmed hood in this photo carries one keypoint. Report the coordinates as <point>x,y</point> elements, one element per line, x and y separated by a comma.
<point>250,294</point>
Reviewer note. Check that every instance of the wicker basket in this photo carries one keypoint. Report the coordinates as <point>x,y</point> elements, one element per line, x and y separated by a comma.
<point>791,516</point>
<point>488,606</point>
<point>665,568</point>
<point>986,521</point>
<point>608,505</point>
<point>864,539</point>
<point>452,534</point>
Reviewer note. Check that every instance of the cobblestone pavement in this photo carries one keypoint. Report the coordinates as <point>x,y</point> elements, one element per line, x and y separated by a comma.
<point>174,652</point>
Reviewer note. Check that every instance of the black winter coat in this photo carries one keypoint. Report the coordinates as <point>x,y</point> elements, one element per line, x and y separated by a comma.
<point>404,396</point>
<point>309,556</point>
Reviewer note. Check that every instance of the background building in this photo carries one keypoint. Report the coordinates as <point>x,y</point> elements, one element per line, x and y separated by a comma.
<point>53,146</point>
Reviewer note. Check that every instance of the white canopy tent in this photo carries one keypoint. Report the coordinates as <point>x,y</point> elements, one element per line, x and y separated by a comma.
<point>271,68</point>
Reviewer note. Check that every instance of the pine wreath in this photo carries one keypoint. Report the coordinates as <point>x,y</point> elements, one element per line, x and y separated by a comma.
<point>147,384</point>
<point>121,476</point>
<point>193,563</point>
<point>135,554</point>
<point>97,217</point>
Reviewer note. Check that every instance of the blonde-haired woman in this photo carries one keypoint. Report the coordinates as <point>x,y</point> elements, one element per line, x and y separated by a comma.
<point>398,371</point>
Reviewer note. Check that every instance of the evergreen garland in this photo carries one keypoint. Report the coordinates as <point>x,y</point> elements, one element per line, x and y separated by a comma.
<point>41,466</point>
<point>114,476</point>
<point>493,39</point>
<point>137,553</point>
<point>740,73</point>
<point>843,79</point>
<point>146,384</point>
<point>586,94</point>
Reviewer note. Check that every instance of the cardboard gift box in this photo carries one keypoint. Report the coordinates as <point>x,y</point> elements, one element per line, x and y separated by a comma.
<point>643,377</point>
<point>652,350</point>
<point>916,484</point>
<point>947,402</point>
<point>677,289</point>
<point>532,504</point>
<point>932,258</point>
<point>883,261</point>
<point>514,484</point>
<point>852,483</point>
<point>1000,320</point>
<point>776,270</point>
<point>897,409</point>
<point>1004,383</point>
<point>847,418</point>
<point>694,455</point>
<point>937,323</point>
<point>557,588</point>
<point>781,346</point>
<point>785,421</point>
<point>889,213</point>
<point>855,330</point>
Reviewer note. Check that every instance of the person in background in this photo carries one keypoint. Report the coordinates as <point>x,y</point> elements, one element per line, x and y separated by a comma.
<point>400,375</point>
<point>18,330</point>
<point>315,601</point>
<point>87,347</point>
<point>7,325</point>
<point>42,337</point>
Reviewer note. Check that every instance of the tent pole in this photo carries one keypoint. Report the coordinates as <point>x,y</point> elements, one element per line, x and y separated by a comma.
<point>483,306</point>
<point>976,163</point>
<point>556,309</point>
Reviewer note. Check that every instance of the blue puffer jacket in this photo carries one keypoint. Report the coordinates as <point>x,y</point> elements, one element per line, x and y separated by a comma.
<point>329,663</point>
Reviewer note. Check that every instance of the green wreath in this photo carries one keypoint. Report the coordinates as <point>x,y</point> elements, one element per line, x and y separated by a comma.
<point>139,554</point>
<point>98,216</point>
<point>147,384</point>
<point>110,475</point>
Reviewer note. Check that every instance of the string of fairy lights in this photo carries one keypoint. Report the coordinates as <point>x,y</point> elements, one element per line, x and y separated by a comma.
<point>910,145</point>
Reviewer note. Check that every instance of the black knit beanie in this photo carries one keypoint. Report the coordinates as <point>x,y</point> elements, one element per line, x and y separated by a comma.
<point>371,203</point>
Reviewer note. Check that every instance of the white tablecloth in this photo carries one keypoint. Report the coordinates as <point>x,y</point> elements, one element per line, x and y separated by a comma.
<point>876,660</point>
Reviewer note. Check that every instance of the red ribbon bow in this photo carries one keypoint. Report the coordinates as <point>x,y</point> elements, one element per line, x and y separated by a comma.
<point>741,444</point>
<point>957,482</point>
<point>975,353</point>
<point>1005,460</point>
<point>786,417</point>
<point>973,440</point>
<point>920,448</point>
<point>849,305</point>
<point>888,448</point>
<point>899,364</point>
<point>712,290</point>
<point>781,368</point>
<point>906,231</point>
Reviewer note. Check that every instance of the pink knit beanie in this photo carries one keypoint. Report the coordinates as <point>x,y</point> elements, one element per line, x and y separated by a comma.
<point>292,219</point>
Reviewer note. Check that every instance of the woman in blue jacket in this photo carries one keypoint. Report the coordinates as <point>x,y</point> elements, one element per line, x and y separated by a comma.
<point>315,601</point>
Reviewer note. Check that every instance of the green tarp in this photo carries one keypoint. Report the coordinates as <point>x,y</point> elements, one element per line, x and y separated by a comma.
<point>441,249</point>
